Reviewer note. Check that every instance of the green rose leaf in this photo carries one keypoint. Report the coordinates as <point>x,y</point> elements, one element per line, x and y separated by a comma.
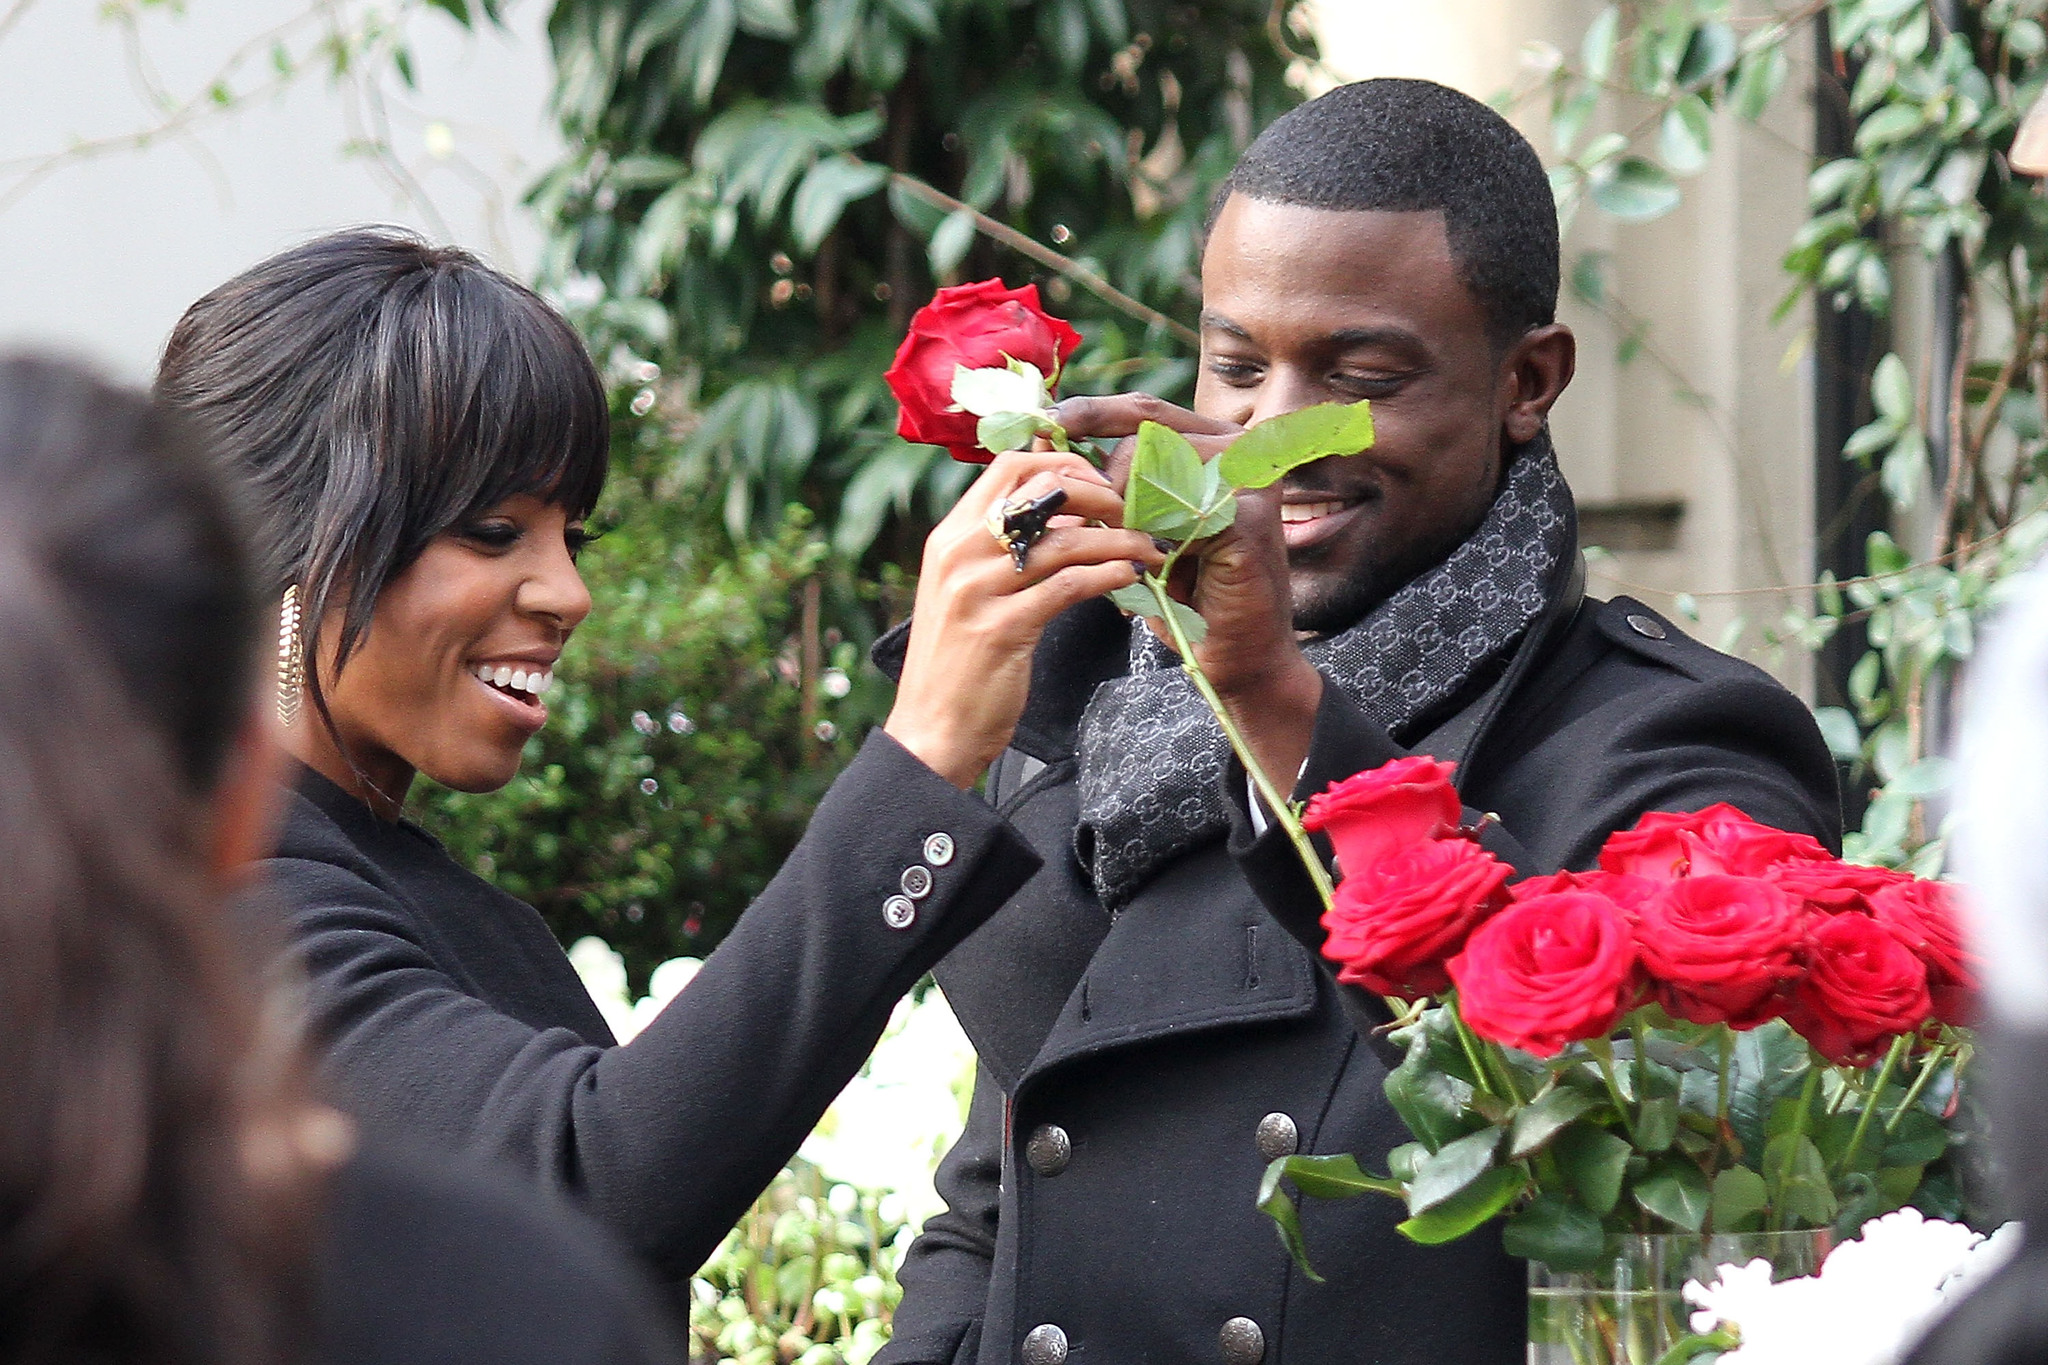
<point>1739,1196</point>
<point>1431,1103</point>
<point>1169,486</point>
<point>1564,1236</point>
<point>1273,447</point>
<point>1449,1171</point>
<point>1545,1117</point>
<point>1001,431</point>
<point>1657,1123</point>
<point>1274,1203</point>
<point>1918,1139</point>
<point>1593,1160</point>
<point>1327,1177</point>
<point>1797,1179</point>
<point>1678,1193</point>
<point>1473,1205</point>
<point>1139,600</point>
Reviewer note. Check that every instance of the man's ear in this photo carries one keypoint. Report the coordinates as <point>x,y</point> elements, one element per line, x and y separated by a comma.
<point>1533,374</point>
<point>248,796</point>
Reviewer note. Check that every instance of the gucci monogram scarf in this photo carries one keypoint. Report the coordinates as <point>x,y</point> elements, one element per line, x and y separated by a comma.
<point>1152,757</point>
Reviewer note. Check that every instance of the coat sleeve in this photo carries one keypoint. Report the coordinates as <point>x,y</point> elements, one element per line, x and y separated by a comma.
<point>945,1275</point>
<point>669,1138</point>
<point>1635,741</point>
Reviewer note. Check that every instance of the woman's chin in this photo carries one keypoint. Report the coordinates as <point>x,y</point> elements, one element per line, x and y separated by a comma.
<point>476,777</point>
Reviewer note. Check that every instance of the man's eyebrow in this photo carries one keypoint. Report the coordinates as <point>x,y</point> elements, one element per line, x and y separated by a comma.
<point>1342,339</point>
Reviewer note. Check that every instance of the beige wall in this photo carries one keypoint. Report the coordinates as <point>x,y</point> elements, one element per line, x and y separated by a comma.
<point>1706,278</point>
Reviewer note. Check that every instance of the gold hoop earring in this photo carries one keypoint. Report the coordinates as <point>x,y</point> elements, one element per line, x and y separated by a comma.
<point>291,658</point>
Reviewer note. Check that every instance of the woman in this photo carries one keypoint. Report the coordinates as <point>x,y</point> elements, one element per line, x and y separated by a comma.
<point>169,1192</point>
<point>423,439</point>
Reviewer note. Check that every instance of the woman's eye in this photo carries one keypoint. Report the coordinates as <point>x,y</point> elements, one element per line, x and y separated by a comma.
<point>493,535</point>
<point>579,539</point>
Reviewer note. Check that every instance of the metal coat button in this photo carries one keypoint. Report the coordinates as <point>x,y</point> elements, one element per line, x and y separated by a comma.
<point>1049,1149</point>
<point>1648,626</point>
<point>938,849</point>
<point>1277,1137</point>
<point>1243,1342</point>
<point>917,881</point>
<point>899,912</point>
<point>1046,1344</point>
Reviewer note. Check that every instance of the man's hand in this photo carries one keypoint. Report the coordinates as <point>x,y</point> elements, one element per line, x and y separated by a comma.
<point>1238,581</point>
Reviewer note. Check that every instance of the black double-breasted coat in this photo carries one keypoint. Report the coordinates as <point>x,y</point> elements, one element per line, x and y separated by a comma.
<point>1137,1072</point>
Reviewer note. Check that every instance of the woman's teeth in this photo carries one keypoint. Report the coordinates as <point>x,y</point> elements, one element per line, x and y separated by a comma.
<point>518,679</point>
<point>1308,511</point>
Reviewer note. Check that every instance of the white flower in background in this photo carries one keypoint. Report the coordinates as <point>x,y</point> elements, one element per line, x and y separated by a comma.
<point>892,1123</point>
<point>1872,1300</point>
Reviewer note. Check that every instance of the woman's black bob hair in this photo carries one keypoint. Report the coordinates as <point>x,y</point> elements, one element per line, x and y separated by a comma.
<point>369,390</point>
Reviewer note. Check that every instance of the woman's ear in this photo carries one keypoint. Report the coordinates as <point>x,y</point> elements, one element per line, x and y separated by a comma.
<point>247,797</point>
<point>1533,375</point>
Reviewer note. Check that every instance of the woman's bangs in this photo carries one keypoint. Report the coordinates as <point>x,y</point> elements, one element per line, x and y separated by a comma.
<point>539,421</point>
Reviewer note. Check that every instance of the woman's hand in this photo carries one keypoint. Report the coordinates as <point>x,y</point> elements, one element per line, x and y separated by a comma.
<point>977,619</point>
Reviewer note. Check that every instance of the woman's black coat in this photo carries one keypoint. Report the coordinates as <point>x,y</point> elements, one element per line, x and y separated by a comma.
<point>1138,1072</point>
<point>450,1015</point>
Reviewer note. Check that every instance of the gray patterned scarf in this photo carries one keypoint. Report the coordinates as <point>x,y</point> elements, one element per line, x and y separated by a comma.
<point>1152,756</point>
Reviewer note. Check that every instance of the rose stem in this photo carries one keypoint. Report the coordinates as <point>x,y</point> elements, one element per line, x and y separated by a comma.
<point>1927,1070</point>
<point>1884,1076</point>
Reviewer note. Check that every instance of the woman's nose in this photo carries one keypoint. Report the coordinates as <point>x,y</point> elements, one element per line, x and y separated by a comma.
<point>557,589</point>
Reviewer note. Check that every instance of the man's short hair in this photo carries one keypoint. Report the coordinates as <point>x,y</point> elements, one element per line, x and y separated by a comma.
<point>1409,145</point>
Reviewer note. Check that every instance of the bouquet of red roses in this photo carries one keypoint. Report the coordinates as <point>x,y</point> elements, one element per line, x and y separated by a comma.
<point>1721,1029</point>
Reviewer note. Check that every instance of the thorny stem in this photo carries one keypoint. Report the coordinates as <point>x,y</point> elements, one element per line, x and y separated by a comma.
<point>1927,1070</point>
<point>1277,804</point>
<point>1884,1076</point>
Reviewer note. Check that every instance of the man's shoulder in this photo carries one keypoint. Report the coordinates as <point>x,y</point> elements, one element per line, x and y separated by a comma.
<point>1643,635</point>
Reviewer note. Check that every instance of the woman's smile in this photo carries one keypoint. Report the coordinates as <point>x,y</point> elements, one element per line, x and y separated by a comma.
<point>518,684</point>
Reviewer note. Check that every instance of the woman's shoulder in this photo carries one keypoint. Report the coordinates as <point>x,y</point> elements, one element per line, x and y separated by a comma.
<point>428,1260</point>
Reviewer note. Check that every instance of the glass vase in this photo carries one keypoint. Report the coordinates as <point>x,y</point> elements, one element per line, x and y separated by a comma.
<point>1631,1310</point>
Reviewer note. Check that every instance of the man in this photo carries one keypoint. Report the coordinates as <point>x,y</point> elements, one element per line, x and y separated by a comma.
<point>1149,1036</point>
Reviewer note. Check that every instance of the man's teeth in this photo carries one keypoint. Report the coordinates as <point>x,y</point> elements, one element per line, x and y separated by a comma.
<point>518,679</point>
<point>1308,511</point>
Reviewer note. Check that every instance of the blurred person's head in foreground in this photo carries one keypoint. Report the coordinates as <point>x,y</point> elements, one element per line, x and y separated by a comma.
<point>2002,801</point>
<point>159,1157</point>
<point>422,438</point>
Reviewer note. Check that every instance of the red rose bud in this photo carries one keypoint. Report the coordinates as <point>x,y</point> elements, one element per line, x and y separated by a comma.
<point>1548,972</point>
<point>1719,839</point>
<point>981,326</point>
<point>1389,810</point>
<point>1625,891</point>
<point>1923,915</point>
<point>1863,985</point>
<point>1393,925</point>
<point>1834,887</point>
<point>1718,949</point>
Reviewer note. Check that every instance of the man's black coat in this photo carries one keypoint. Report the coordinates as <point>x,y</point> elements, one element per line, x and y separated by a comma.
<point>1157,1041</point>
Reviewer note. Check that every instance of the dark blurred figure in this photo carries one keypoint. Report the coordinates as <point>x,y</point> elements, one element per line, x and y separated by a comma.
<point>2002,858</point>
<point>170,1192</point>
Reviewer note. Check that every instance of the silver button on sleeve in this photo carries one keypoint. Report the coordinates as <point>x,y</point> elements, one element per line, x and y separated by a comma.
<point>917,881</point>
<point>938,849</point>
<point>1649,627</point>
<point>899,912</point>
<point>1046,1344</point>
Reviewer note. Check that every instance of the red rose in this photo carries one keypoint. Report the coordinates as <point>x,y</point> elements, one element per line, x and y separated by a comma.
<point>1393,925</point>
<point>1387,811</point>
<point>1548,971</point>
<point>1625,891</point>
<point>976,325</point>
<point>1719,948</point>
<point>1834,887</point>
<point>1862,986</point>
<point>1720,838</point>
<point>1923,915</point>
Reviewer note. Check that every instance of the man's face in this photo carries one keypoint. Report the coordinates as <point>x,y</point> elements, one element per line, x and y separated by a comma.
<point>1303,306</point>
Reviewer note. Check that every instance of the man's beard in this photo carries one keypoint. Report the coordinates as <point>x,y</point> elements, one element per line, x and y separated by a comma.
<point>1333,608</point>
